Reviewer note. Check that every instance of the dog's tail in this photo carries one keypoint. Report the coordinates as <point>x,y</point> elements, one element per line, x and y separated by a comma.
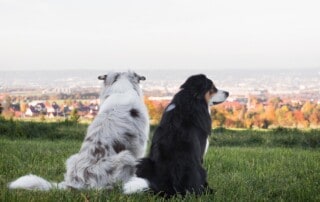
<point>33,182</point>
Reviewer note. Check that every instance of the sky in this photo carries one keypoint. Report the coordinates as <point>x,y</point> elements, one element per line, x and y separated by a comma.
<point>163,34</point>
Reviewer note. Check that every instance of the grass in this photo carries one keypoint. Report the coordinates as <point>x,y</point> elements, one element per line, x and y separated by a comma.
<point>42,130</point>
<point>242,165</point>
<point>264,174</point>
<point>279,137</point>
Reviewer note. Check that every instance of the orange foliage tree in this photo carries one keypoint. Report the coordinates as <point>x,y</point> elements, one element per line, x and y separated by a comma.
<point>256,114</point>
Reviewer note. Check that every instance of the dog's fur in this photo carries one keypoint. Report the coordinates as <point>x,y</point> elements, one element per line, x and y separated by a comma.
<point>174,165</point>
<point>114,140</point>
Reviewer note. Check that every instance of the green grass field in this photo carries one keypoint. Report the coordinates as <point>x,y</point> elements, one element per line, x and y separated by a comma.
<point>242,165</point>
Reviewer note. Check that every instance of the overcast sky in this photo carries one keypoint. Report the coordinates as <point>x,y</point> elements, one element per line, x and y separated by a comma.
<point>168,34</point>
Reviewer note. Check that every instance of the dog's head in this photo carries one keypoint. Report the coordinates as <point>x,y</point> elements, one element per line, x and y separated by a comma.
<point>120,82</point>
<point>203,88</point>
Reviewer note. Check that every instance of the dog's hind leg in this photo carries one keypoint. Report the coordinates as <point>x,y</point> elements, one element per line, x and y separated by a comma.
<point>125,166</point>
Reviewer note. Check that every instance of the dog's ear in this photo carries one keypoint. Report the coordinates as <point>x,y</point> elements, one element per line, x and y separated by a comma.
<point>102,77</point>
<point>198,85</point>
<point>142,78</point>
<point>194,82</point>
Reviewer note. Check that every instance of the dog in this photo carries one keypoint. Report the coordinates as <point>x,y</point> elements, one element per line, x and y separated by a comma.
<point>174,164</point>
<point>115,139</point>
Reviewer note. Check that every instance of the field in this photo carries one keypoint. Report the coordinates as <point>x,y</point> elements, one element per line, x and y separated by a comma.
<point>243,165</point>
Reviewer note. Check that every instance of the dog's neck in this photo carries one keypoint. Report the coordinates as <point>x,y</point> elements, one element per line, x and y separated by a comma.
<point>122,86</point>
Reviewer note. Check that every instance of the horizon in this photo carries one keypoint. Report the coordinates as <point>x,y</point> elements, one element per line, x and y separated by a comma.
<point>236,82</point>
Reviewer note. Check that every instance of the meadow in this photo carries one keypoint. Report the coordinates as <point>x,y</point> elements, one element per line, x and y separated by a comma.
<point>243,165</point>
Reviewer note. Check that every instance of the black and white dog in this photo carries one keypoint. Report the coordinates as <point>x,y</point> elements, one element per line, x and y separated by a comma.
<point>174,165</point>
<point>115,139</point>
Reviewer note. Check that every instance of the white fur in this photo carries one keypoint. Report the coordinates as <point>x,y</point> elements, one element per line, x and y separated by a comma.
<point>218,97</point>
<point>114,141</point>
<point>207,147</point>
<point>170,107</point>
<point>135,185</point>
<point>31,182</point>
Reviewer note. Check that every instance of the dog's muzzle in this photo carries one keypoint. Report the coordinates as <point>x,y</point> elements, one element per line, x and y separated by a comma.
<point>219,97</point>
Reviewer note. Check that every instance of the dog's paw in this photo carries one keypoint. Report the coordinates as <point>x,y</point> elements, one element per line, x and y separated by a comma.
<point>135,185</point>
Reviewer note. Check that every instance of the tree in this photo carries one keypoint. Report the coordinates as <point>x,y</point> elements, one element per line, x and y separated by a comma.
<point>7,103</point>
<point>74,116</point>
<point>275,102</point>
<point>281,114</point>
<point>219,119</point>
<point>153,112</point>
<point>23,107</point>
<point>314,118</point>
<point>307,108</point>
<point>299,117</point>
<point>265,123</point>
<point>289,119</point>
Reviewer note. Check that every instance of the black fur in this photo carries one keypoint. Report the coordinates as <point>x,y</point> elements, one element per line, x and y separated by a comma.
<point>174,165</point>
<point>134,113</point>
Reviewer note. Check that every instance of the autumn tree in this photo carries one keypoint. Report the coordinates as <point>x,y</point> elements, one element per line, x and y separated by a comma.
<point>299,118</point>
<point>74,116</point>
<point>241,117</point>
<point>269,116</point>
<point>7,103</point>
<point>314,117</point>
<point>23,107</point>
<point>307,108</point>
<point>218,118</point>
<point>275,102</point>
<point>155,109</point>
